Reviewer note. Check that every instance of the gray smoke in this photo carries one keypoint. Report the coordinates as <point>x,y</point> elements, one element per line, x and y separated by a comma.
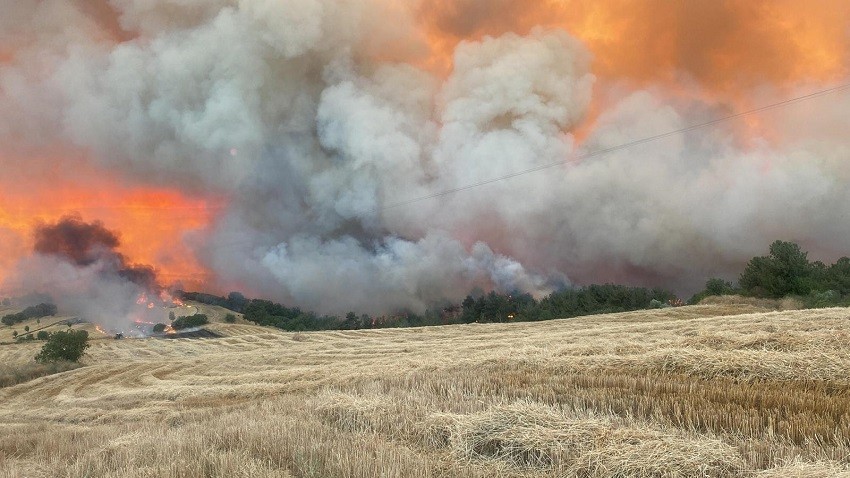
<point>76,265</point>
<point>308,116</point>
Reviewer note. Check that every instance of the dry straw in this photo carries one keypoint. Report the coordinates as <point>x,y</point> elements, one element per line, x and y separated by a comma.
<point>722,389</point>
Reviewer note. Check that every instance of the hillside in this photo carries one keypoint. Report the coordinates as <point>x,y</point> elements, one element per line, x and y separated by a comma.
<point>60,322</point>
<point>713,390</point>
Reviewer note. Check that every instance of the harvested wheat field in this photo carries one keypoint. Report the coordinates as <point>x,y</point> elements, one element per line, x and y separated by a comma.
<point>713,390</point>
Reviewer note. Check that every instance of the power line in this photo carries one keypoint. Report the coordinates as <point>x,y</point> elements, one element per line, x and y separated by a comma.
<point>591,154</point>
<point>602,152</point>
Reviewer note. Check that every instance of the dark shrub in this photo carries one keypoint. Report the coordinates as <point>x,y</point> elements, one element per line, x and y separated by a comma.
<point>70,346</point>
<point>190,321</point>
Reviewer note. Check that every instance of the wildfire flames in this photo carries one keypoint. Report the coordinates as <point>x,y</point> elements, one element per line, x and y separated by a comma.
<point>164,300</point>
<point>261,146</point>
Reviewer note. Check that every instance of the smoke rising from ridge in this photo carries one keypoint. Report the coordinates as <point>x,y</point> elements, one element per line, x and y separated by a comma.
<point>84,244</point>
<point>77,264</point>
<point>307,119</point>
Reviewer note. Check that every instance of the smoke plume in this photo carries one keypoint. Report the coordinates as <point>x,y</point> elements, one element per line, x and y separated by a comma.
<point>273,147</point>
<point>76,264</point>
<point>84,244</point>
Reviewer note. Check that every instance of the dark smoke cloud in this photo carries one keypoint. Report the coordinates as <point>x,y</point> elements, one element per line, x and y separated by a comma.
<point>75,240</point>
<point>84,244</point>
<point>77,264</point>
<point>302,116</point>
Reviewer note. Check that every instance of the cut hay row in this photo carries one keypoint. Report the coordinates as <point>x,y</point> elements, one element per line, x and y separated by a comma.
<point>676,392</point>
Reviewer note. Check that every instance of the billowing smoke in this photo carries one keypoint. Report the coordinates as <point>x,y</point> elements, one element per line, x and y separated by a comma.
<point>77,265</point>
<point>84,244</point>
<point>315,122</point>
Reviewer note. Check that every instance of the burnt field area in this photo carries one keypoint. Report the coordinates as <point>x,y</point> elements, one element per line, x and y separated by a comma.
<point>189,334</point>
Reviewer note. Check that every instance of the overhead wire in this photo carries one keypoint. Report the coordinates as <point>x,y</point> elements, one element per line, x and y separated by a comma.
<point>588,155</point>
<point>619,147</point>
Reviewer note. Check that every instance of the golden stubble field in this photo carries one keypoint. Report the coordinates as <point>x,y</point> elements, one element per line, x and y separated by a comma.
<point>711,390</point>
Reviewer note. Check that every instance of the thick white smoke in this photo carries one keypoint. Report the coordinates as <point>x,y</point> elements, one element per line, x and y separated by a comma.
<point>92,292</point>
<point>308,116</point>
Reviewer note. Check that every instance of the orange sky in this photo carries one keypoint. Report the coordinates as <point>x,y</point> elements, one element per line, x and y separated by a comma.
<point>151,221</point>
<point>721,52</point>
<point>726,48</point>
<point>723,44</point>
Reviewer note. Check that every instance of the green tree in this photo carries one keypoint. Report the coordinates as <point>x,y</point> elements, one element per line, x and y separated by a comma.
<point>351,321</point>
<point>838,276</point>
<point>159,328</point>
<point>190,321</point>
<point>230,318</point>
<point>715,286</point>
<point>26,328</point>
<point>70,346</point>
<point>42,335</point>
<point>785,271</point>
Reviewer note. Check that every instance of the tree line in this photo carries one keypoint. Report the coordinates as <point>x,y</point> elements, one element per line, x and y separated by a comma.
<point>787,272</point>
<point>480,308</point>
<point>32,312</point>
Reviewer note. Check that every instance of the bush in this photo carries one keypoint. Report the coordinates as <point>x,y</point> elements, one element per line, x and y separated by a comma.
<point>230,318</point>
<point>190,321</point>
<point>159,328</point>
<point>42,335</point>
<point>70,346</point>
<point>657,304</point>
<point>817,299</point>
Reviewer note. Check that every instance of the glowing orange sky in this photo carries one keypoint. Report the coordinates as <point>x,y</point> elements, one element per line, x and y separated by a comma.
<point>724,44</point>
<point>716,51</point>
<point>151,221</point>
<point>726,48</point>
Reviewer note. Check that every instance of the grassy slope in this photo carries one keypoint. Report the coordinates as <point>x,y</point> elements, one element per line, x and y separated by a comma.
<point>54,323</point>
<point>678,392</point>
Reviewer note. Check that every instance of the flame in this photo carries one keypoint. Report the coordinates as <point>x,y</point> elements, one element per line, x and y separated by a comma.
<point>166,298</point>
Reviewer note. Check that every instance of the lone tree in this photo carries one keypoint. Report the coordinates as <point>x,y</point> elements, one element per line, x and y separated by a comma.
<point>70,346</point>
